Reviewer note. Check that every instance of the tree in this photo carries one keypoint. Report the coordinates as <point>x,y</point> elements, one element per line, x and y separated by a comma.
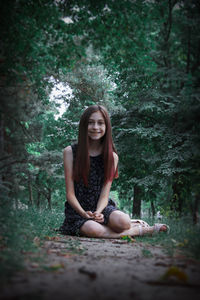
<point>33,35</point>
<point>139,58</point>
<point>156,75</point>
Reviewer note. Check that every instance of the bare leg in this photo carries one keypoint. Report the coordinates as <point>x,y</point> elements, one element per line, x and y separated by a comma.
<point>94,229</point>
<point>157,227</point>
<point>119,225</point>
<point>119,221</point>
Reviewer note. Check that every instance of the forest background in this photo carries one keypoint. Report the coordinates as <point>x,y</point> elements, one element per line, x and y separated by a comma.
<point>138,58</point>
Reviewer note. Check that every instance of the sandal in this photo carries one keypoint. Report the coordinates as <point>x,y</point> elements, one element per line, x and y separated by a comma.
<point>141,222</point>
<point>158,226</point>
<point>140,230</point>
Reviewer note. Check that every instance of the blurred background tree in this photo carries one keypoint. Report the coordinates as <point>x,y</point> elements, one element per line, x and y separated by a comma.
<point>138,58</point>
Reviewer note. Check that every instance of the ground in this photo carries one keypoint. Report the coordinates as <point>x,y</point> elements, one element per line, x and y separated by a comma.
<point>82,268</point>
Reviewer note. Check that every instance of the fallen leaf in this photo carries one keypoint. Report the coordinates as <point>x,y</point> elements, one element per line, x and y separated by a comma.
<point>49,251</point>
<point>174,241</point>
<point>36,241</point>
<point>180,244</point>
<point>128,238</point>
<point>176,272</point>
<point>54,267</point>
<point>34,265</point>
<point>66,255</point>
<point>52,238</point>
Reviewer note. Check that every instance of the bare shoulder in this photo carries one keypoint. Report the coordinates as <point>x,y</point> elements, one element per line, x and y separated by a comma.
<point>67,152</point>
<point>68,149</point>
<point>116,158</point>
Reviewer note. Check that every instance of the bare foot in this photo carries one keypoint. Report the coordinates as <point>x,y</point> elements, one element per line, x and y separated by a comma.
<point>161,227</point>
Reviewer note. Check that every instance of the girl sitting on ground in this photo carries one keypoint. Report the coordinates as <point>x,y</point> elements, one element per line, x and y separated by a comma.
<point>90,167</point>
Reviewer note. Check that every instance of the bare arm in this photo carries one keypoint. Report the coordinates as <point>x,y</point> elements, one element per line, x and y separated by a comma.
<point>103,199</point>
<point>70,194</point>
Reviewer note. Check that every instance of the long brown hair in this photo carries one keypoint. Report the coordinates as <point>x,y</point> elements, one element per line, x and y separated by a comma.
<point>82,162</point>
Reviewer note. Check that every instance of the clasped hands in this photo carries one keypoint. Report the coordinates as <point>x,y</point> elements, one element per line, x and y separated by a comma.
<point>96,216</point>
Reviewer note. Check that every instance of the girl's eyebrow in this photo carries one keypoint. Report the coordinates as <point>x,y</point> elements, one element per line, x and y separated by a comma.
<point>90,119</point>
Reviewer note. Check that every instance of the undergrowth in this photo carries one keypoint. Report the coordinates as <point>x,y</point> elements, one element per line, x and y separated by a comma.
<point>183,236</point>
<point>21,229</point>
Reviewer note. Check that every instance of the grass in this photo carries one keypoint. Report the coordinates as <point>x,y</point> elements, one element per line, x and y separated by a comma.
<point>146,253</point>
<point>20,232</point>
<point>22,229</point>
<point>183,236</point>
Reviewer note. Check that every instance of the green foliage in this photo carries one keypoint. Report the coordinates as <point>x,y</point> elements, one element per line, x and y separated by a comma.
<point>20,230</point>
<point>139,58</point>
<point>159,130</point>
<point>34,35</point>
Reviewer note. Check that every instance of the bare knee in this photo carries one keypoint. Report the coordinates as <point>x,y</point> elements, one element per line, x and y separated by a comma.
<point>92,229</point>
<point>124,222</point>
<point>119,221</point>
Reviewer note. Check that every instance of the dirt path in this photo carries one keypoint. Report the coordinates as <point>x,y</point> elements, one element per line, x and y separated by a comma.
<point>103,269</point>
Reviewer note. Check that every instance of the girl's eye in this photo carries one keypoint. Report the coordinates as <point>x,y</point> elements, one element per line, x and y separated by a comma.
<point>101,123</point>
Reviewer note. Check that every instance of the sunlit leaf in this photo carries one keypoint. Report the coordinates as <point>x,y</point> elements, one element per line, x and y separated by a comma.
<point>176,272</point>
<point>128,238</point>
<point>54,267</point>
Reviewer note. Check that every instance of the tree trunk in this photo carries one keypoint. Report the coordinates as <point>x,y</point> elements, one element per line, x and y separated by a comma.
<point>38,199</point>
<point>49,198</point>
<point>16,203</point>
<point>195,209</point>
<point>1,134</point>
<point>137,201</point>
<point>30,192</point>
<point>153,211</point>
<point>177,201</point>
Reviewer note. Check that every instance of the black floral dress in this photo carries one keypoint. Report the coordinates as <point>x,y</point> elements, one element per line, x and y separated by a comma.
<point>87,197</point>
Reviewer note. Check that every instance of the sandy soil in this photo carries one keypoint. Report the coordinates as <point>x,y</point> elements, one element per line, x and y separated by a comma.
<point>103,269</point>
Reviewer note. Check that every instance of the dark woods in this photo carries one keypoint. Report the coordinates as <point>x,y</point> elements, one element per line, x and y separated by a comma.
<point>138,58</point>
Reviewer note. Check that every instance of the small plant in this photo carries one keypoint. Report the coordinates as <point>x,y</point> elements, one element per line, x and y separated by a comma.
<point>146,253</point>
<point>128,238</point>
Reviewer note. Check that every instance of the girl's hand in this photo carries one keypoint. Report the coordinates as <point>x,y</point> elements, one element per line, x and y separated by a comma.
<point>88,215</point>
<point>98,217</point>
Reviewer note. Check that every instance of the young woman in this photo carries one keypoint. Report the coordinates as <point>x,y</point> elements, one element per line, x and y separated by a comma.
<point>90,167</point>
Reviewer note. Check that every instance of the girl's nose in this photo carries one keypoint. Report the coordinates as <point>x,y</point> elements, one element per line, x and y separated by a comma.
<point>95,125</point>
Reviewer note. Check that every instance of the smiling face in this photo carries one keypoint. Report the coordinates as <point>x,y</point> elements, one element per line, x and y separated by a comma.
<point>96,126</point>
